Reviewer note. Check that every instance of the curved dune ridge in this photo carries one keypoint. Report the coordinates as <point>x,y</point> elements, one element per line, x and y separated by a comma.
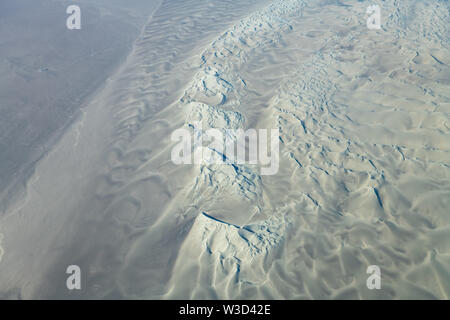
<point>349,115</point>
<point>363,178</point>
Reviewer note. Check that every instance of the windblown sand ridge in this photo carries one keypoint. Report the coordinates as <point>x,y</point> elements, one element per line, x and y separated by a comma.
<point>347,124</point>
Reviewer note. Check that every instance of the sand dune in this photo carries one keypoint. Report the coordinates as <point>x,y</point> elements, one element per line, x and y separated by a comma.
<point>363,179</point>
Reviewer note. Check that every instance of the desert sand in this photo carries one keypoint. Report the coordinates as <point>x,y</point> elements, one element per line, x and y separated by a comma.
<point>364,155</point>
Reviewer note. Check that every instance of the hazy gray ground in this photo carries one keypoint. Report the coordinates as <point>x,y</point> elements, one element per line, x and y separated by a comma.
<point>47,71</point>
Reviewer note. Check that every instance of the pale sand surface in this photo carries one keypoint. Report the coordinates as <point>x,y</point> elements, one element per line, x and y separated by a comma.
<point>48,73</point>
<point>364,173</point>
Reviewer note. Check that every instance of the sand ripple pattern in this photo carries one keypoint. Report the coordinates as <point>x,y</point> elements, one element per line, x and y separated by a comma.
<point>365,177</point>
